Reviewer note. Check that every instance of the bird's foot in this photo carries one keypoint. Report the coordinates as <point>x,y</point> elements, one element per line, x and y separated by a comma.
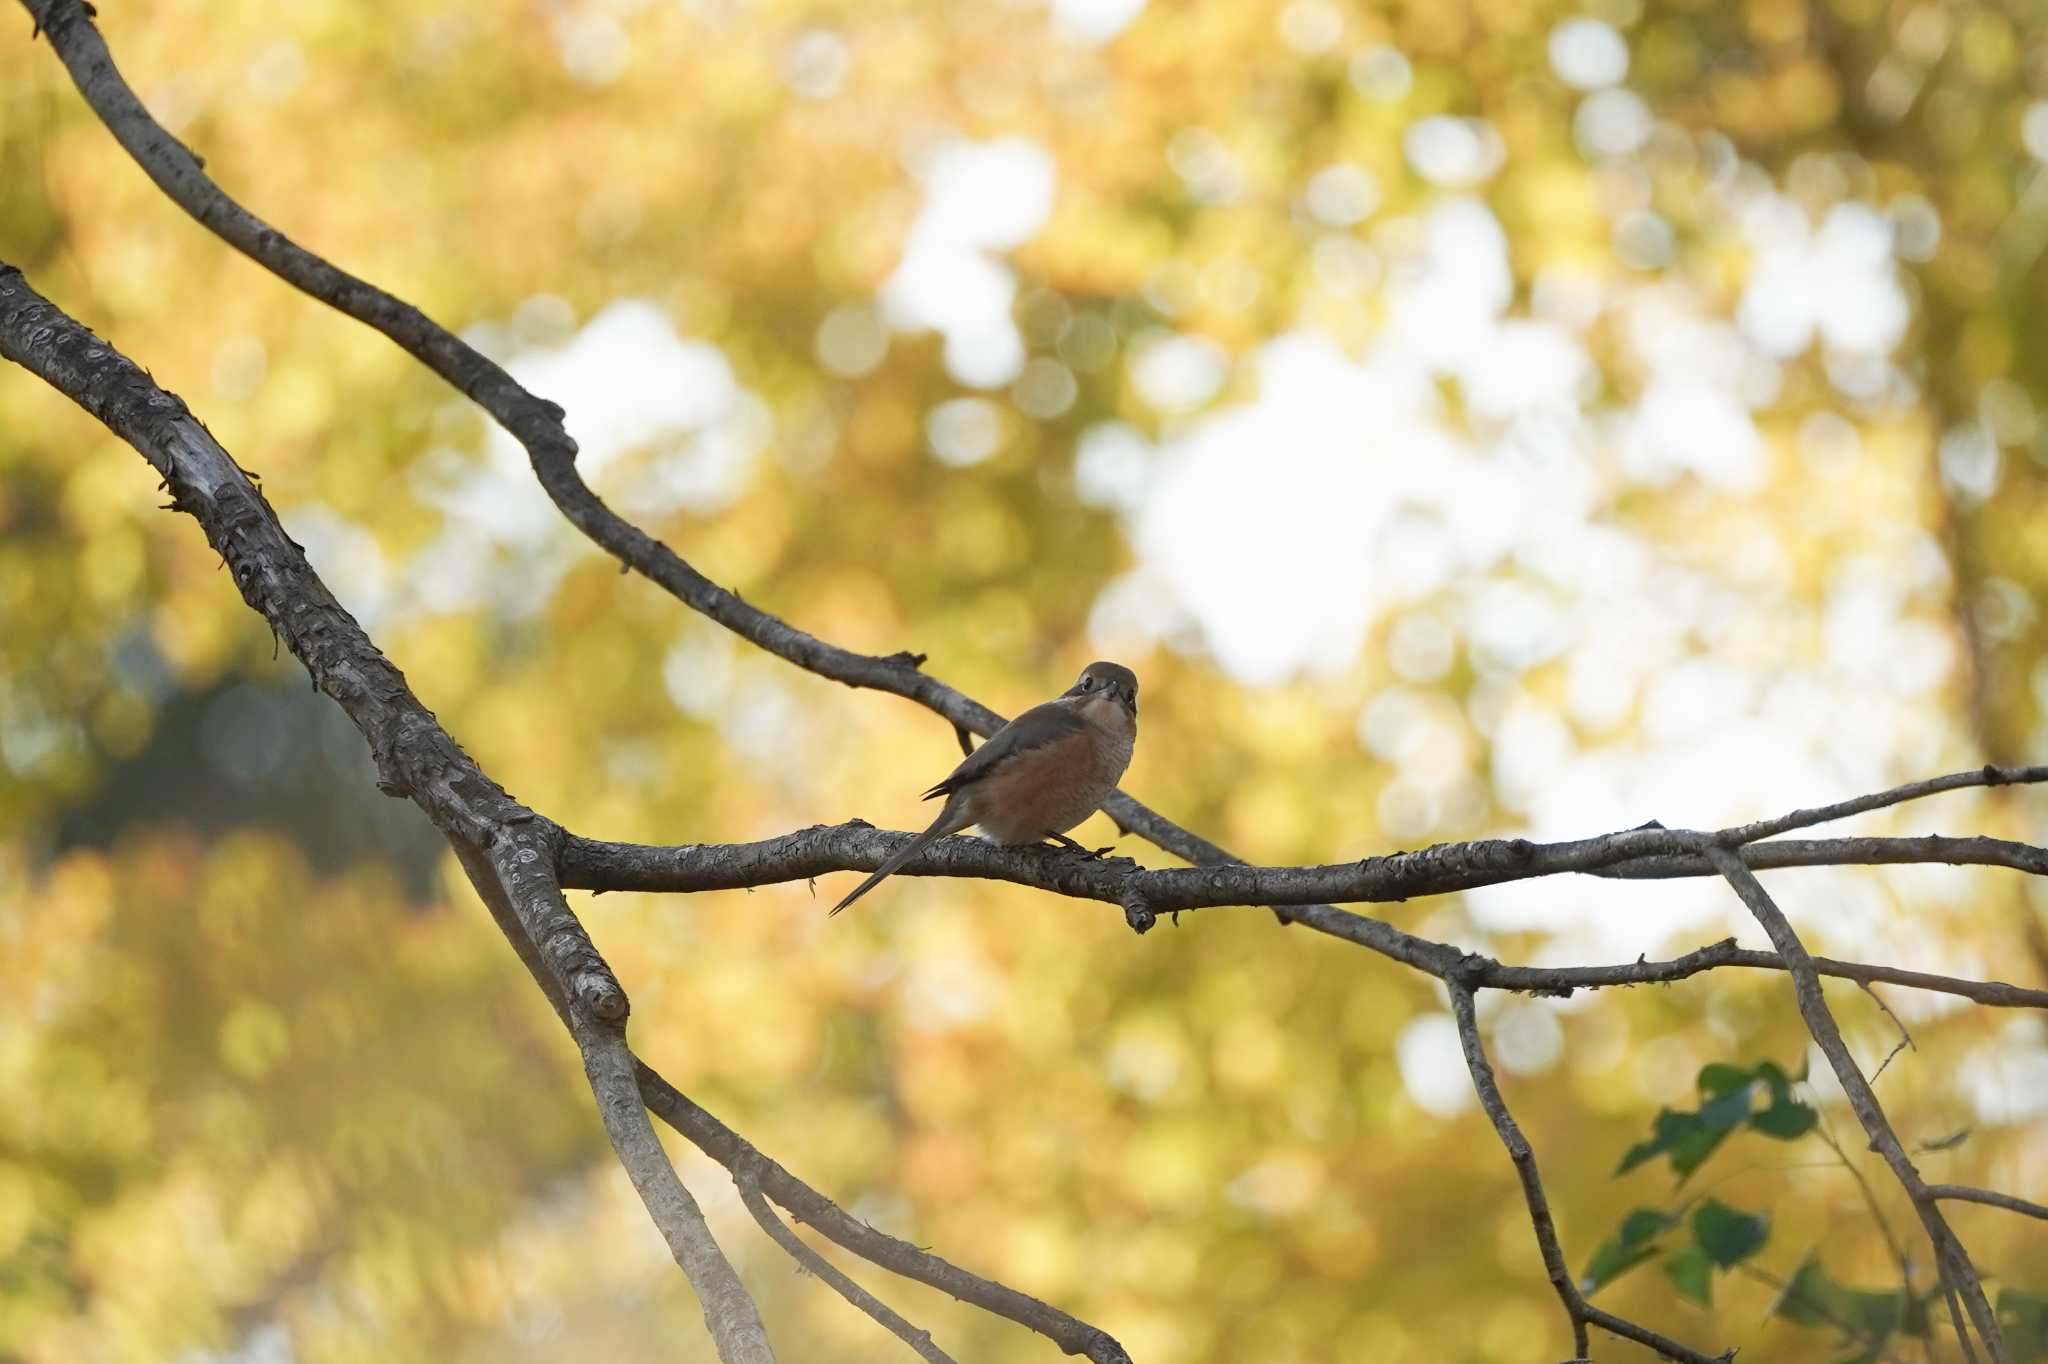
<point>1092,854</point>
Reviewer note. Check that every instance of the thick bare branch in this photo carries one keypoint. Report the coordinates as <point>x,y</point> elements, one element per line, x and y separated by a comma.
<point>508,850</point>
<point>593,865</point>
<point>536,423</point>
<point>495,833</point>
<point>1436,870</point>
<point>1820,1024</point>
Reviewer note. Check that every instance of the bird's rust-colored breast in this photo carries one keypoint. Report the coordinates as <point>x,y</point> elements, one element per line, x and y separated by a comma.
<point>1049,789</point>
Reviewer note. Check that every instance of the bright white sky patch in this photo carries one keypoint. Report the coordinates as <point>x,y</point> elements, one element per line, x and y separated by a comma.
<point>1588,53</point>
<point>980,198</point>
<point>631,387</point>
<point>1836,283</point>
<point>1095,21</point>
<point>1282,527</point>
<point>1454,152</point>
<point>1433,1066</point>
<point>1276,531</point>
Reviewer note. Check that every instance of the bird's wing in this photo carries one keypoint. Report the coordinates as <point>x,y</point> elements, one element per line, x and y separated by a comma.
<point>1035,728</point>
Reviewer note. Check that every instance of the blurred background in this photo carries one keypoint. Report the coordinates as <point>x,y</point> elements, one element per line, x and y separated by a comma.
<point>1469,417</point>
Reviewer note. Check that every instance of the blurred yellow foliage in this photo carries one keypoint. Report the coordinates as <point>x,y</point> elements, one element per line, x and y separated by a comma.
<point>269,1070</point>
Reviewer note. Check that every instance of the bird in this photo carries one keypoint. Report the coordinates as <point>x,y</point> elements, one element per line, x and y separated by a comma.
<point>1039,775</point>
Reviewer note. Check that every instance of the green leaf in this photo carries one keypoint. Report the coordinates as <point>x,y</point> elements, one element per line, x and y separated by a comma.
<point>1773,1075</point>
<point>1874,1314</point>
<point>1726,1111</point>
<point>1692,1275</point>
<point>1685,1137</point>
<point>1729,1096</point>
<point>2024,1319</point>
<point>1947,1143</point>
<point>1807,1296</point>
<point>1859,1316</point>
<point>1667,1130</point>
<point>1632,1244</point>
<point>1787,1120</point>
<point>1718,1077</point>
<point>1726,1235</point>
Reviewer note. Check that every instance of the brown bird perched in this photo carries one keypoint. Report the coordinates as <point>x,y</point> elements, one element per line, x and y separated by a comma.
<point>1039,775</point>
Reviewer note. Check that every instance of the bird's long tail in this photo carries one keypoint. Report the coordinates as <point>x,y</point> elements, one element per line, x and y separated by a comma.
<point>950,821</point>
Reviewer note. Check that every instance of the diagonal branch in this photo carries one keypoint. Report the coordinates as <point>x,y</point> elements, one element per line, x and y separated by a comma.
<point>1987,775</point>
<point>511,874</point>
<point>1820,1024</point>
<point>807,1205</point>
<point>887,1316</point>
<point>1578,1311</point>
<point>506,848</point>
<point>536,423</point>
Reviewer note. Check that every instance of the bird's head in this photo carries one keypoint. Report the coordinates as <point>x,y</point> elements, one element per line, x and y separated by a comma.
<point>1114,679</point>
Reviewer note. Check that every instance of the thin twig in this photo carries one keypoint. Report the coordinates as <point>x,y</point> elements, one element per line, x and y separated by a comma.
<point>1884,1227</point>
<point>916,1338</point>
<point>807,1205</point>
<point>1524,1158</point>
<point>1964,1193</point>
<point>1955,1317</point>
<point>1578,1312</point>
<point>1905,1037</point>
<point>1849,1328</point>
<point>1987,775</point>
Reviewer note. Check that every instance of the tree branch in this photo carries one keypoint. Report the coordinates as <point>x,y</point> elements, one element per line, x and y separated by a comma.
<point>1964,1193</point>
<point>416,758</point>
<point>1820,1023</point>
<point>1578,1311</point>
<point>1987,775</point>
<point>590,864</point>
<point>807,1205</point>
<point>536,423</point>
<point>508,850</point>
<point>1440,869</point>
<point>917,1339</point>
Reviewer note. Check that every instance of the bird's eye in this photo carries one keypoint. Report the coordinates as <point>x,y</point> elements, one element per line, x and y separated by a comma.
<point>1087,682</point>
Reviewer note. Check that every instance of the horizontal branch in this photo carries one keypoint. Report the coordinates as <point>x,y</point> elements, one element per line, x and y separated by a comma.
<point>1564,979</point>
<point>1964,1193</point>
<point>1841,852</point>
<point>590,864</point>
<point>1645,853</point>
